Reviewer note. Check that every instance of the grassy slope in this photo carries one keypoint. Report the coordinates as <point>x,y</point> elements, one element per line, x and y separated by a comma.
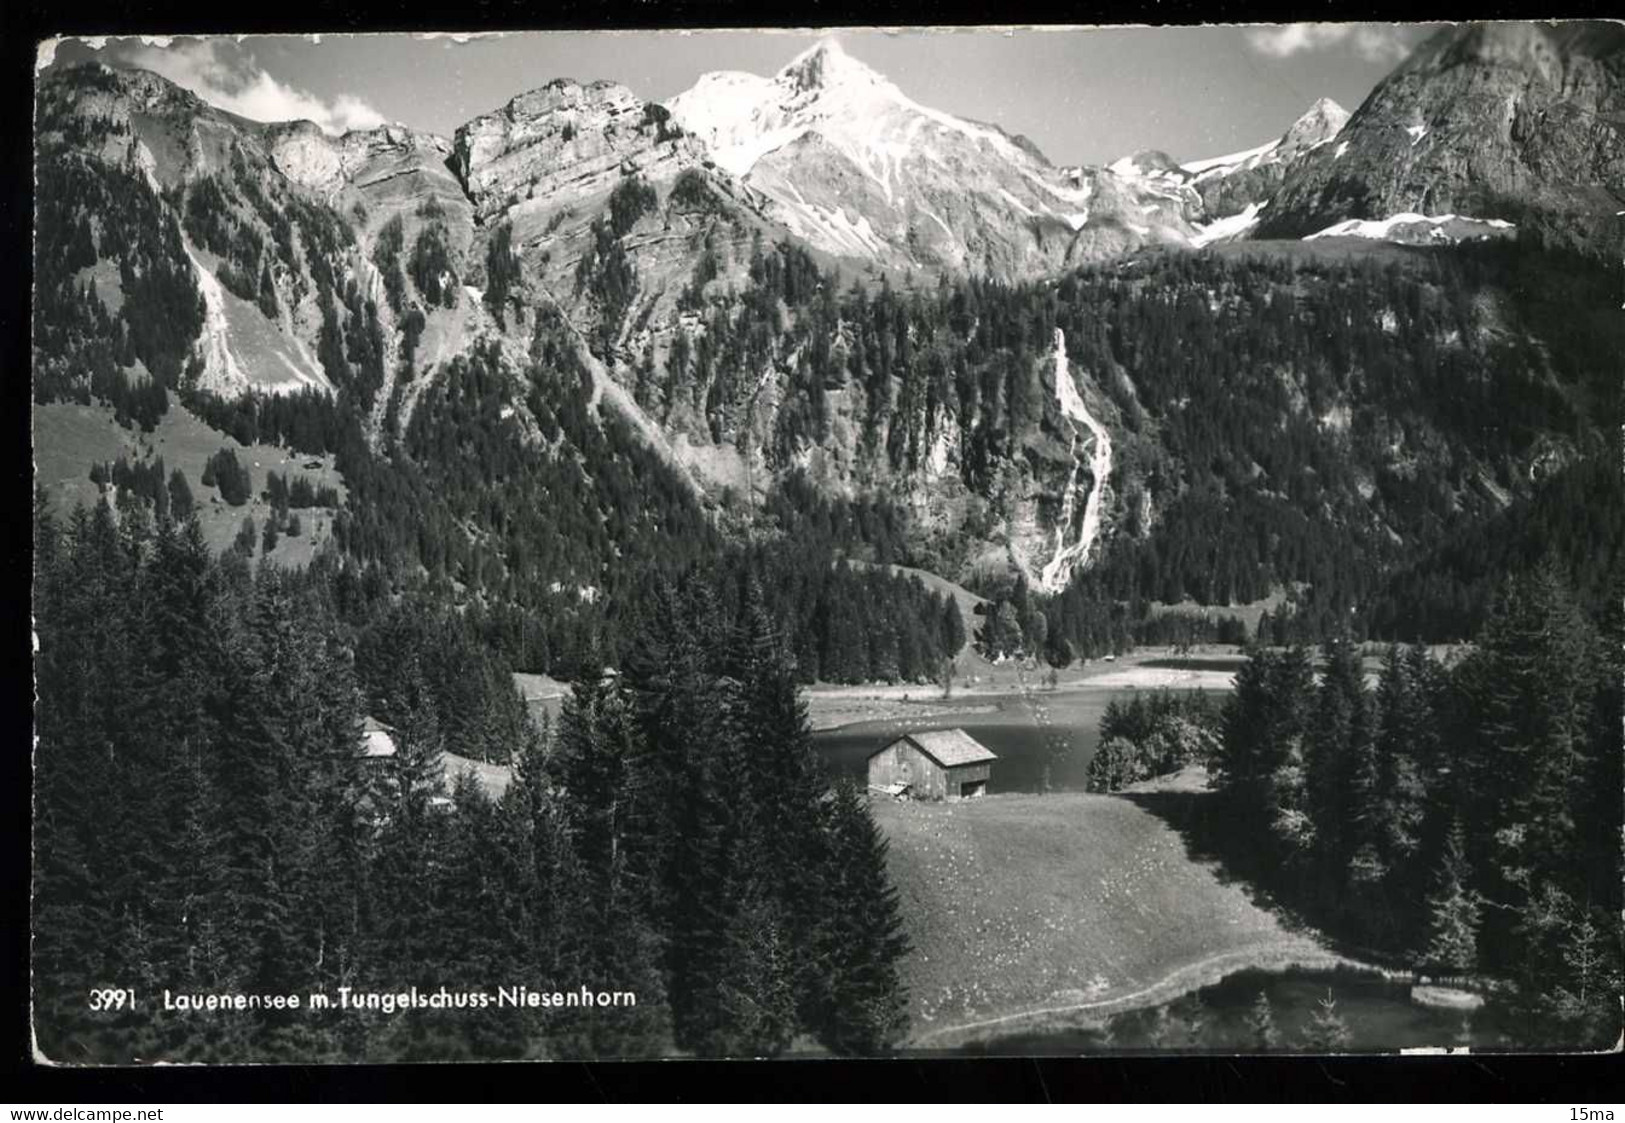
<point>494,778</point>
<point>1027,911</point>
<point>69,438</point>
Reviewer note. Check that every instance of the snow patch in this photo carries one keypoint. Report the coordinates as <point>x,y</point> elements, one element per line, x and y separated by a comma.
<point>936,218</point>
<point>1229,227</point>
<point>1408,222</point>
<point>1225,163</point>
<point>837,230</point>
<point>1015,202</point>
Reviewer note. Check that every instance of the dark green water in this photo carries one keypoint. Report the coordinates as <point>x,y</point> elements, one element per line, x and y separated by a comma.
<point>1379,1014</point>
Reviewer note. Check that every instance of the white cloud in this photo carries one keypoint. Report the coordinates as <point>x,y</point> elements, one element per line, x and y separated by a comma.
<point>1374,42</point>
<point>233,81</point>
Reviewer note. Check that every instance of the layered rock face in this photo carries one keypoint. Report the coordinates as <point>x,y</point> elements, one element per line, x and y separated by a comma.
<point>855,167</point>
<point>391,162</point>
<point>543,171</point>
<point>1492,121</point>
<point>563,143</point>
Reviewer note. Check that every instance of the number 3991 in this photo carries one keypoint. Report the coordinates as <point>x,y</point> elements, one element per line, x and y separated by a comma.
<point>112,998</point>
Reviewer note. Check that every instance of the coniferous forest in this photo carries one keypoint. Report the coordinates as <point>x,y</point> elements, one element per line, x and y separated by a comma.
<point>205,826</point>
<point>1462,820</point>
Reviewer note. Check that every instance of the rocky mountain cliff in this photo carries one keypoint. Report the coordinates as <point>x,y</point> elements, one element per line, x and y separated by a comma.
<point>1228,185</point>
<point>1492,121</point>
<point>728,274</point>
<point>1223,195</point>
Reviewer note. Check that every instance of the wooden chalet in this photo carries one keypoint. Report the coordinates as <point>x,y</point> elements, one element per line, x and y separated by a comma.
<point>935,765</point>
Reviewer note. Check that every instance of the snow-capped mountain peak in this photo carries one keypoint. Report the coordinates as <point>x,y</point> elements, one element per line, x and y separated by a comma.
<point>743,116</point>
<point>1323,121</point>
<point>826,66</point>
<point>856,166</point>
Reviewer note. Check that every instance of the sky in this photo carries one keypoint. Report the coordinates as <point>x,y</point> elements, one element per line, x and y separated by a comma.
<point>1083,95</point>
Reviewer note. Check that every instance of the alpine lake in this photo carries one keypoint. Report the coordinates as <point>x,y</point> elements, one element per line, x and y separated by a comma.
<point>1034,728</point>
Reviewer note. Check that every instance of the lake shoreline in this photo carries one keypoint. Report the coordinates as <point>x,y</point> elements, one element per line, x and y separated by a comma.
<point>835,707</point>
<point>1183,981</point>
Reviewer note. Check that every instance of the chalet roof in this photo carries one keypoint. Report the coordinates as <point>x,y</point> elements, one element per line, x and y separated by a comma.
<point>377,739</point>
<point>950,747</point>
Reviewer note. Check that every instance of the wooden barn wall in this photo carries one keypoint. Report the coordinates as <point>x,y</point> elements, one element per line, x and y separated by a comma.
<point>967,773</point>
<point>901,762</point>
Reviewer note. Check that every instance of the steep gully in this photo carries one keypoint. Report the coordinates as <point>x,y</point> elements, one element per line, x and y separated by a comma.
<point>1067,558</point>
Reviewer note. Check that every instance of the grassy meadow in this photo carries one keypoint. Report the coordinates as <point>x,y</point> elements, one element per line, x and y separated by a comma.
<point>69,438</point>
<point>1029,912</point>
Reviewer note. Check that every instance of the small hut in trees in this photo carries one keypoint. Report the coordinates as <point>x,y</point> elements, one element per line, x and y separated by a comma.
<point>377,739</point>
<point>940,764</point>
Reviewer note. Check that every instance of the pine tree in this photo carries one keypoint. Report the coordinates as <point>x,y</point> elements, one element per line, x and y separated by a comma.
<point>1588,997</point>
<point>181,503</point>
<point>1159,1032</point>
<point>1453,912</point>
<point>778,771</point>
<point>1327,1032</point>
<point>757,1000</point>
<point>1194,1015</point>
<point>1261,1023</point>
<point>1341,771</point>
<point>1528,693</point>
<point>864,939</point>
<point>953,627</point>
<point>689,826</point>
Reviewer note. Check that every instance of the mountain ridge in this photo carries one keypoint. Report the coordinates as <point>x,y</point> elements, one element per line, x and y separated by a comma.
<point>1511,121</point>
<point>789,321</point>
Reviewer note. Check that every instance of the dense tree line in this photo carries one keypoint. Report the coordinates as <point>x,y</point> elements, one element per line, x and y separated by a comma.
<point>417,656</point>
<point>82,349</point>
<point>386,255</point>
<point>207,825</point>
<point>1576,516</point>
<point>225,471</point>
<point>430,266</point>
<point>243,268</point>
<point>308,420</point>
<point>559,517</point>
<point>1153,734</point>
<point>145,479</point>
<point>1463,820</point>
<point>299,493</point>
<point>1256,404</point>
